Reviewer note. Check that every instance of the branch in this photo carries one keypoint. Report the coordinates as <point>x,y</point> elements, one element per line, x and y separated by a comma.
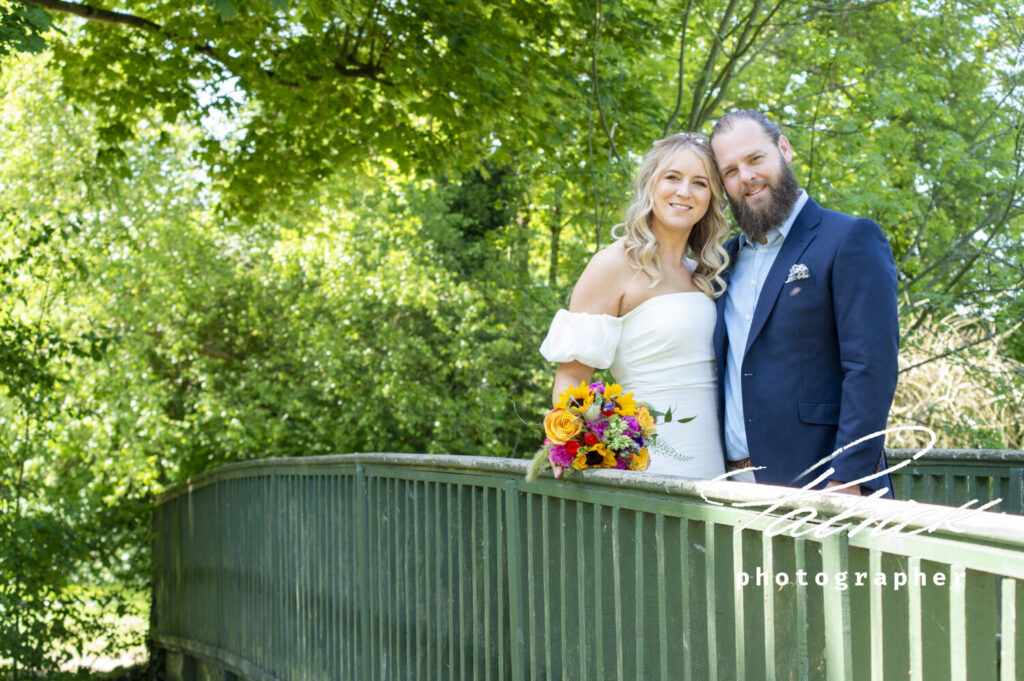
<point>682,72</point>
<point>596,86</point>
<point>709,62</point>
<point>348,68</point>
<point>956,351</point>
<point>98,15</point>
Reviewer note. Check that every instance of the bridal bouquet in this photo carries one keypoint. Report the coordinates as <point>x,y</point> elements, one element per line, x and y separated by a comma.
<point>595,426</point>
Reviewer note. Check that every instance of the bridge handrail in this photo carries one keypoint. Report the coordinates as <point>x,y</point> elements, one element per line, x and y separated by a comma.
<point>677,533</point>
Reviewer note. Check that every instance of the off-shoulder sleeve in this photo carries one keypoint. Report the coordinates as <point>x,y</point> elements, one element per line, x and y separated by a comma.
<point>590,339</point>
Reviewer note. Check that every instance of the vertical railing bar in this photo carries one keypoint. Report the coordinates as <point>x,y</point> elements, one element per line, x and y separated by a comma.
<point>711,601</point>
<point>332,637</point>
<point>219,559</point>
<point>419,597</point>
<point>306,537</point>
<point>294,541</point>
<point>638,543</point>
<point>617,591</point>
<point>321,598</point>
<point>394,581</point>
<point>384,524</point>
<point>957,624</point>
<point>278,548</point>
<point>302,540</point>
<point>348,620</point>
<point>437,564</point>
<point>287,575</point>
<point>684,595</point>
<point>247,493</point>
<point>599,590</point>
<point>378,565</point>
<point>460,574</point>
<point>838,640</point>
<point>878,623</point>
<point>363,551</point>
<point>450,563</point>
<point>545,545</point>
<point>768,560</point>
<point>659,550</point>
<point>485,540</point>
<point>297,538</point>
<point>915,623</point>
<point>908,479</point>
<point>327,572</point>
<point>1009,624</point>
<point>320,601</point>
<point>739,641</point>
<point>802,605</point>
<point>515,577</point>
<point>1014,502</point>
<point>563,560</point>
<point>532,619</point>
<point>504,586</point>
<point>585,650</point>
<point>474,585</point>
<point>409,558</point>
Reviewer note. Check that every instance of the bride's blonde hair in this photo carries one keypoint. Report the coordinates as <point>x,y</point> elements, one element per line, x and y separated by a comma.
<point>707,235</point>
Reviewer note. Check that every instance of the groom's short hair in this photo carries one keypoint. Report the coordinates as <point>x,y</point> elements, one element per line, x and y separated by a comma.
<point>727,121</point>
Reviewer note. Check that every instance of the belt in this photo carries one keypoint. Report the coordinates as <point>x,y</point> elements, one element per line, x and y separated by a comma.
<point>742,463</point>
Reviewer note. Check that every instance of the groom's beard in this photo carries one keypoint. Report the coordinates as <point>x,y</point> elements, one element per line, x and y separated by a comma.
<point>757,223</point>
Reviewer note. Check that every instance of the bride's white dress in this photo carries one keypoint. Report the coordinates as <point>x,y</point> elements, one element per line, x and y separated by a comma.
<point>661,351</point>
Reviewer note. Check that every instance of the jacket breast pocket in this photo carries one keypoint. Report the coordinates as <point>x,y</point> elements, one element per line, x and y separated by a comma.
<point>823,413</point>
<point>794,287</point>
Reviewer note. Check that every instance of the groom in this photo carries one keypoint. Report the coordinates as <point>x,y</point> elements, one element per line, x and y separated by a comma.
<point>808,332</point>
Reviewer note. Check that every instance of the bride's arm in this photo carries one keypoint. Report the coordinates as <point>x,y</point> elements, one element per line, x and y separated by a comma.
<point>599,291</point>
<point>570,374</point>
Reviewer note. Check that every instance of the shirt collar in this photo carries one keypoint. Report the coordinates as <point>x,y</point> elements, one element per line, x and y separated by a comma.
<point>782,231</point>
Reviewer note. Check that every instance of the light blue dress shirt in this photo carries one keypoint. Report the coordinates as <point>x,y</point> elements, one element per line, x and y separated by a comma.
<point>753,262</point>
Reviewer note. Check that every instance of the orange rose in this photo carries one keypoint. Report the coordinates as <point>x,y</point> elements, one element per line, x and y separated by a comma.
<point>561,426</point>
<point>642,459</point>
<point>646,421</point>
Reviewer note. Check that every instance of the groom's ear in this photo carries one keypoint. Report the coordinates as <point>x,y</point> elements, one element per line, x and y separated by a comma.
<point>786,149</point>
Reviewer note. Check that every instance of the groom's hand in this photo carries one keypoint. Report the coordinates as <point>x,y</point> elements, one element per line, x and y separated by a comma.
<point>855,490</point>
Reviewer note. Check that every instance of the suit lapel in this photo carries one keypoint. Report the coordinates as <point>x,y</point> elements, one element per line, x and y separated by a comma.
<point>799,238</point>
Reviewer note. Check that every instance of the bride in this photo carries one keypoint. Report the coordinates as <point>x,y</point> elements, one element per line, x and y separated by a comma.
<point>647,312</point>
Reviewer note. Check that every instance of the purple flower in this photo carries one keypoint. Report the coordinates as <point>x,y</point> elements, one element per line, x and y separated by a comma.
<point>597,427</point>
<point>608,407</point>
<point>559,456</point>
<point>622,464</point>
<point>632,423</point>
<point>597,387</point>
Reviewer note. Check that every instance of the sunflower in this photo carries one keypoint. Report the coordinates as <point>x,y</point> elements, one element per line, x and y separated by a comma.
<point>625,405</point>
<point>597,456</point>
<point>578,399</point>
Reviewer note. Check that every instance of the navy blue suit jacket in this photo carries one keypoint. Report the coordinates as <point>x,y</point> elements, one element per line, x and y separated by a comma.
<point>819,370</point>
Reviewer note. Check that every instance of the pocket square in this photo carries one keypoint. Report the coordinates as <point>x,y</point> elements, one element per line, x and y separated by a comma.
<point>798,271</point>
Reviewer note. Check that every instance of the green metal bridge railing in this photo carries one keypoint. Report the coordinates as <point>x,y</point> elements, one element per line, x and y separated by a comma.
<point>955,476</point>
<point>388,566</point>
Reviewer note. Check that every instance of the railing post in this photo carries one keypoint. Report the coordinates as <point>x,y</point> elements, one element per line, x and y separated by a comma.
<point>838,640</point>
<point>1015,500</point>
<point>514,554</point>
<point>363,542</point>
